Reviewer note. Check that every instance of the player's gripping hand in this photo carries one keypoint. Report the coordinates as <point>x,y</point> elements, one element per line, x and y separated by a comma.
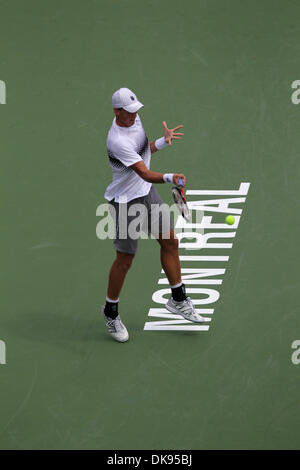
<point>176,177</point>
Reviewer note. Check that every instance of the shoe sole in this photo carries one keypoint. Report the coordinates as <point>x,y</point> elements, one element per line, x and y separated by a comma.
<point>119,340</point>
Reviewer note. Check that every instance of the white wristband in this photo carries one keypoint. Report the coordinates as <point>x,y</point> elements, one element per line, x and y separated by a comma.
<point>160,143</point>
<point>168,177</point>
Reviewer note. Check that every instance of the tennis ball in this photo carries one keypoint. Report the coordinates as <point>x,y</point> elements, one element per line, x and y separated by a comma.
<point>230,219</point>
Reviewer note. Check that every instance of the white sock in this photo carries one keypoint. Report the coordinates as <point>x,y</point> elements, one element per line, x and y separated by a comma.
<point>176,285</point>
<point>112,301</point>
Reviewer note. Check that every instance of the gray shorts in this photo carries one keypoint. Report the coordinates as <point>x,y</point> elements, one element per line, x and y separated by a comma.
<point>152,216</point>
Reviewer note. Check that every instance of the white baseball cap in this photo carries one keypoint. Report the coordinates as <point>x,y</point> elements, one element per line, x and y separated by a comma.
<point>126,99</point>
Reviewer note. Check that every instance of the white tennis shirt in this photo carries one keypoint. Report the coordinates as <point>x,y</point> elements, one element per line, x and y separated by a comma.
<point>126,146</point>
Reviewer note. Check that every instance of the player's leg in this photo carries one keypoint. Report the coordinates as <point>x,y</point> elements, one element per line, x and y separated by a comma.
<point>118,271</point>
<point>179,302</point>
<point>169,257</point>
<point>162,229</point>
<point>125,251</point>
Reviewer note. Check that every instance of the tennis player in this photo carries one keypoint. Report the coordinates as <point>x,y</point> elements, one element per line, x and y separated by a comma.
<point>129,153</point>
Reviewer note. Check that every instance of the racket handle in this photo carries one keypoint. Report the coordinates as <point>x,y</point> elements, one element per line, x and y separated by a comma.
<point>180,183</point>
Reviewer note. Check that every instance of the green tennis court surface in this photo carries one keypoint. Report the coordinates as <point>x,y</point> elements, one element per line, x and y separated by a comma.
<point>224,69</point>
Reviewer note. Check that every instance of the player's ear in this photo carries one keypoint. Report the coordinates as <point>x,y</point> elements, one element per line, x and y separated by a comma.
<point>117,111</point>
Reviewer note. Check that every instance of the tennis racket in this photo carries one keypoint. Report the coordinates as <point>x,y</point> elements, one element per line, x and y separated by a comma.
<point>180,201</point>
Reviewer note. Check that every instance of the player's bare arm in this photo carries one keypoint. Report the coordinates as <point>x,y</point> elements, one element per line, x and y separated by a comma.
<point>152,147</point>
<point>154,176</point>
<point>169,135</point>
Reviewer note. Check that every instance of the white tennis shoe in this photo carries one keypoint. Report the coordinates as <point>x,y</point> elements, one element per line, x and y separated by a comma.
<point>116,328</point>
<point>184,308</point>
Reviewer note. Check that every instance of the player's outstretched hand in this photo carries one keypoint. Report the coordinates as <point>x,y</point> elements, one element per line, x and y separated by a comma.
<point>176,177</point>
<point>171,134</point>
